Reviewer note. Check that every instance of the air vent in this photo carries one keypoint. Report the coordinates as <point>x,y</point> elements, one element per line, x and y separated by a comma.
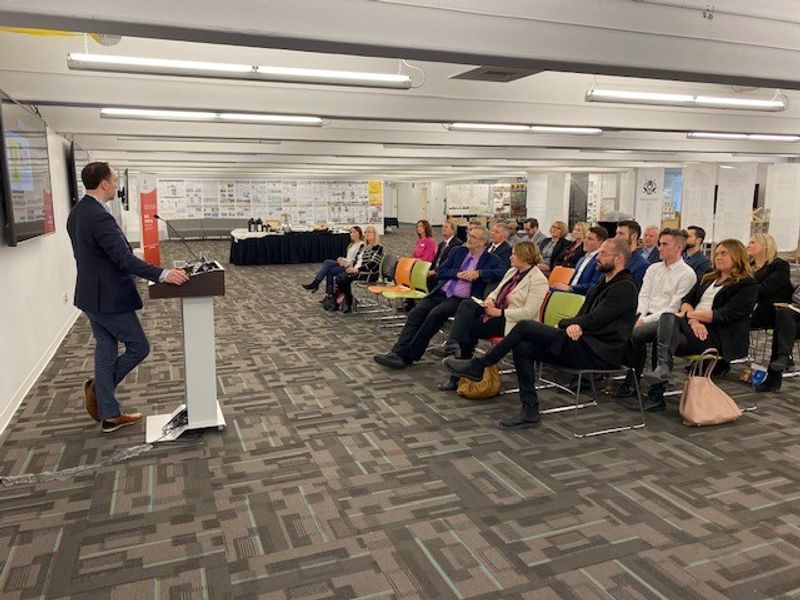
<point>495,74</point>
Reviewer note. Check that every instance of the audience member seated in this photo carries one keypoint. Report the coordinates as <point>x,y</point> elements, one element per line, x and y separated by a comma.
<point>465,273</point>
<point>694,256</point>
<point>331,268</point>
<point>514,234</point>
<point>631,231</point>
<point>574,252</point>
<point>366,268</point>
<point>596,338</point>
<point>649,249</point>
<point>772,275</point>
<point>784,335</point>
<point>499,245</point>
<point>518,297</point>
<point>714,314</point>
<point>553,247</point>
<point>586,274</point>
<point>426,246</point>
<point>530,228</point>
<point>449,241</point>
<point>666,283</point>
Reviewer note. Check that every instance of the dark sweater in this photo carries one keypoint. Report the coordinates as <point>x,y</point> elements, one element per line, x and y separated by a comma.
<point>774,285</point>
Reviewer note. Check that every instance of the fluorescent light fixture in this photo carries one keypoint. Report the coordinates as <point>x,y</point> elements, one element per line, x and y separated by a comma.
<point>726,167</point>
<point>756,137</point>
<point>191,68</point>
<point>500,127</point>
<point>777,103</point>
<point>197,115</point>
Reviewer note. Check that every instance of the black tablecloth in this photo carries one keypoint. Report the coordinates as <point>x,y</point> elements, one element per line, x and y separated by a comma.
<point>291,248</point>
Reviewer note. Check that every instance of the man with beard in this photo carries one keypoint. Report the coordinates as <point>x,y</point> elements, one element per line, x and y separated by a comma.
<point>694,257</point>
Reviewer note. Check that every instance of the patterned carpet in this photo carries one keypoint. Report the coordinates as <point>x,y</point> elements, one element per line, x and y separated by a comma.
<point>339,479</point>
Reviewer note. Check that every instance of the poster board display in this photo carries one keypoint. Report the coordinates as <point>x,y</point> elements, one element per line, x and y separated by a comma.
<point>734,212</point>
<point>298,203</point>
<point>649,196</point>
<point>782,193</point>
<point>697,207</point>
<point>469,199</point>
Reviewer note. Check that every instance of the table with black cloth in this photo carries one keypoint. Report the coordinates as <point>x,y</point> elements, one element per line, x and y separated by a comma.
<point>289,248</point>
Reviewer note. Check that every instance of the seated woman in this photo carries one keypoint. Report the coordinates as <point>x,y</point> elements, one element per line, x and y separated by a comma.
<point>426,245</point>
<point>574,252</point>
<point>714,314</point>
<point>553,247</point>
<point>784,335</point>
<point>366,267</point>
<point>331,268</point>
<point>518,296</point>
<point>772,275</point>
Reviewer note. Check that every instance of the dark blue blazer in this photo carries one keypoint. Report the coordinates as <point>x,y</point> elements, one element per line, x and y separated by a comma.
<point>488,264</point>
<point>503,252</point>
<point>106,264</point>
<point>589,277</point>
<point>637,265</point>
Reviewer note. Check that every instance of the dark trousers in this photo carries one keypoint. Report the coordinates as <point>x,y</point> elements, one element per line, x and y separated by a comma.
<point>110,368</point>
<point>787,328</point>
<point>422,323</point>
<point>637,349</point>
<point>344,282</point>
<point>328,271</point>
<point>532,342</point>
<point>676,338</point>
<point>469,327</point>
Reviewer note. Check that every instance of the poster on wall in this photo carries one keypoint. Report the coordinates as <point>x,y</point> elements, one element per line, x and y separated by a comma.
<point>649,196</point>
<point>735,202</point>
<point>697,207</point>
<point>468,199</point>
<point>783,191</point>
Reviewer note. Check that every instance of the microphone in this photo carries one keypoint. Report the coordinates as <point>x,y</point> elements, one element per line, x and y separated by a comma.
<point>200,259</point>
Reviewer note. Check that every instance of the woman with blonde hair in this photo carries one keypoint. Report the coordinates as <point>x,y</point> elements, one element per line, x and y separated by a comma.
<point>773,277</point>
<point>553,247</point>
<point>571,256</point>
<point>714,314</point>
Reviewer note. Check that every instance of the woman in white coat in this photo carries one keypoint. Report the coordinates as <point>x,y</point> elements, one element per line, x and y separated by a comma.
<point>518,296</point>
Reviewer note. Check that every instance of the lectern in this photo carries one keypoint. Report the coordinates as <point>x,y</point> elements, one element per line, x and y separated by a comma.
<point>200,370</point>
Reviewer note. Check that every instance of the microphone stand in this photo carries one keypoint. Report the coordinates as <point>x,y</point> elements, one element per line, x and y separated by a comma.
<point>201,260</point>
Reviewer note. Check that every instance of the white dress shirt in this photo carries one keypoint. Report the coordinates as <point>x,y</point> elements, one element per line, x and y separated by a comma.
<point>663,288</point>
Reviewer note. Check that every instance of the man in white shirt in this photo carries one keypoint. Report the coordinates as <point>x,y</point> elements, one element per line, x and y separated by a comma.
<point>665,284</point>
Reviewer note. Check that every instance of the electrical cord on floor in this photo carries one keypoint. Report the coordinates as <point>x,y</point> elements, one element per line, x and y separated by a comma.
<point>115,457</point>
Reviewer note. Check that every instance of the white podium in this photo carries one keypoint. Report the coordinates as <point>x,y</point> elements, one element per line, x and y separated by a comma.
<point>201,409</point>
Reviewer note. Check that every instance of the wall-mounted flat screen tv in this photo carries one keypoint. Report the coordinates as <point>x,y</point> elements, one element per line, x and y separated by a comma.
<point>26,191</point>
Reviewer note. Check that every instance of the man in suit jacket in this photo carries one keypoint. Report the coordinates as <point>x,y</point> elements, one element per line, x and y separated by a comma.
<point>449,241</point>
<point>465,273</point>
<point>499,245</point>
<point>631,231</point>
<point>596,337</point>
<point>106,292</point>
<point>586,274</point>
<point>649,249</point>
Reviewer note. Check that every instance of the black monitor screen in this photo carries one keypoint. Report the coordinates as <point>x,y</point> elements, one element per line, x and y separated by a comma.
<point>26,190</point>
<point>77,158</point>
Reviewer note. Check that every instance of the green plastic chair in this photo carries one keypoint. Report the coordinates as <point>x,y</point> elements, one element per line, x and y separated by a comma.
<point>562,305</point>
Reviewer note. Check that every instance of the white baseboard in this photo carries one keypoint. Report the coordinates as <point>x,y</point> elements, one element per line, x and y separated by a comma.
<point>27,384</point>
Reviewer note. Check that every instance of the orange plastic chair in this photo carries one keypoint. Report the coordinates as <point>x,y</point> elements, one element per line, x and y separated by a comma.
<point>402,278</point>
<point>560,275</point>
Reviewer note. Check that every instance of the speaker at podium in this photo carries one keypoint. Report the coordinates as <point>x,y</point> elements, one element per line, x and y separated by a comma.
<point>201,409</point>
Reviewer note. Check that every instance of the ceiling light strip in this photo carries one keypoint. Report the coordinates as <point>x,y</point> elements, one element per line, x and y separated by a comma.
<point>756,137</point>
<point>189,68</point>
<point>210,117</point>
<point>778,103</point>
<point>514,128</point>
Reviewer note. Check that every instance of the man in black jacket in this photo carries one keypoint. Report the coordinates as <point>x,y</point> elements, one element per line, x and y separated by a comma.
<point>449,241</point>
<point>595,338</point>
<point>105,290</point>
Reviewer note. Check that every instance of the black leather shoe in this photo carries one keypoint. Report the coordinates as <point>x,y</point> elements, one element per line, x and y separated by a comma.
<point>464,367</point>
<point>772,383</point>
<point>312,287</point>
<point>660,375</point>
<point>346,307</point>
<point>449,349</point>
<point>623,391</point>
<point>524,419</point>
<point>448,386</point>
<point>391,360</point>
<point>649,405</point>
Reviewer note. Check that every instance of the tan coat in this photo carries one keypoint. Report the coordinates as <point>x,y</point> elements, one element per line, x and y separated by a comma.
<point>526,299</point>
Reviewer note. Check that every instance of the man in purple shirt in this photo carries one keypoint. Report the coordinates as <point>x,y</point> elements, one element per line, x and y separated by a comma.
<point>463,274</point>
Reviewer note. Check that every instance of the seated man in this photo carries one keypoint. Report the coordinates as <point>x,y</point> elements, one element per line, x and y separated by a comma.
<point>787,330</point>
<point>463,274</point>
<point>665,284</point>
<point>596,338</point>
<point>449,241</point>
<point>694,256</point>
<point>499,245</point>
<point>631,231</point>
<point>586,275</point>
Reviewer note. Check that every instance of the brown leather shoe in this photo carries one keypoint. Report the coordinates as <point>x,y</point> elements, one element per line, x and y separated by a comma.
<point>115,423</point>
<point>90,398</point>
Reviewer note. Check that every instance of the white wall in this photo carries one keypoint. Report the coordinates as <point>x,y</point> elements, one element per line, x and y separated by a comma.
<point>409,202</point>
<point>36,309</point>
<point>389,199</point>
<point>437,203</point>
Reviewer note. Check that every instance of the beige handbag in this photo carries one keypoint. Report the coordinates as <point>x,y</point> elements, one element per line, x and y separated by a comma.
<point>703,402</point>
<point>488,387</point>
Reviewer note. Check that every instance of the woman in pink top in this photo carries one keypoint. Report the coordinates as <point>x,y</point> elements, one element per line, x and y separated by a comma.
<point>426,246</point>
